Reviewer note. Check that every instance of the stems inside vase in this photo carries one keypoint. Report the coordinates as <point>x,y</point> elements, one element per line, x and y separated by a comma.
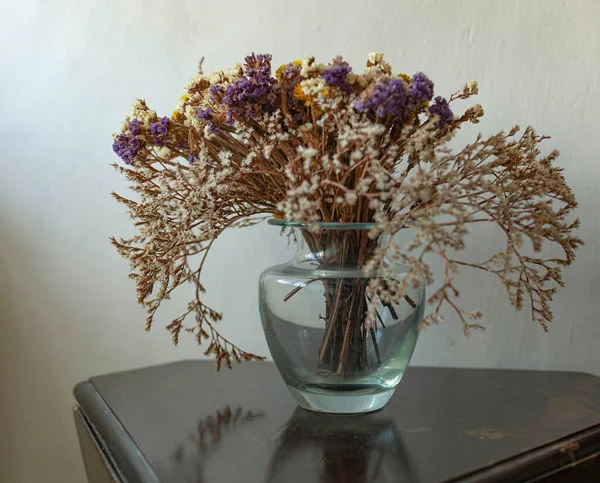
<point>344,351</point>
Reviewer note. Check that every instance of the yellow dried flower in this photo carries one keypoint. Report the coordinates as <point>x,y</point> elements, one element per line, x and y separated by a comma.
<point>307,100</point>
<point>300,95</point>
<point>176,116</point>
<point>404,77</point>
<point>279,71</point>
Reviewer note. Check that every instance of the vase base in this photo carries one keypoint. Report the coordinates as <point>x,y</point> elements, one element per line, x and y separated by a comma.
<point>342,403</point>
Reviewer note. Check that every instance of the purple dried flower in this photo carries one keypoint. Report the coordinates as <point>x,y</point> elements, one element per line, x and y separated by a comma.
<point>205,114</point>
<point>421,90</point>
<point>388,98</point>
<point>126,145</point>
<point>441,109</point>
<point>208,116</point>
<point>134,127</point>
<point>258,66</point>
<point>336,76</point>
<point>159,131</point>
<point>257,91</point>
<point>215,92</point>
<point>192,158</point>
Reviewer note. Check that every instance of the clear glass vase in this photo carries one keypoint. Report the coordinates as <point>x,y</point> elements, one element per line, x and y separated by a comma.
<point>314,314</point>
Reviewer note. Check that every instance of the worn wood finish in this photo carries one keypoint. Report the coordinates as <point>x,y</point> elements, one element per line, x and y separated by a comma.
<point>188,423</point>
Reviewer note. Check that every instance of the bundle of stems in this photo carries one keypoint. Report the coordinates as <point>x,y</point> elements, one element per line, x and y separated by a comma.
<point>344,347</point>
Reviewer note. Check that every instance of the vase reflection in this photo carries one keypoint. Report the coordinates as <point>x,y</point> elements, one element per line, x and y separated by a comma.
<point>339,449</point>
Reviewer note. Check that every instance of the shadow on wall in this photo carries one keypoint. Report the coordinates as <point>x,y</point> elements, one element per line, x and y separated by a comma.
<point>38,436</point>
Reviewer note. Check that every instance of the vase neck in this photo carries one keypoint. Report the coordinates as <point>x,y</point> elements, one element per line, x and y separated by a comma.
<point>334,247</point>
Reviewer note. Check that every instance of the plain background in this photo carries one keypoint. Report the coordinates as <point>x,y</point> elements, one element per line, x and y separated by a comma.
<point>70,70</point>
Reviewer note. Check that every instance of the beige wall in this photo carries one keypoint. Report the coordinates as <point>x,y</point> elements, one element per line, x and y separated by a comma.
<point>68,73</point>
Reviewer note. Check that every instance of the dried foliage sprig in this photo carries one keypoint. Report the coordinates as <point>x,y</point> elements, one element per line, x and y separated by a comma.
<point>319,143</point>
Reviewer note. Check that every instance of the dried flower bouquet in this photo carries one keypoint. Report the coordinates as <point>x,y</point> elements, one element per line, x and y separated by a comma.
<point>320,143</point>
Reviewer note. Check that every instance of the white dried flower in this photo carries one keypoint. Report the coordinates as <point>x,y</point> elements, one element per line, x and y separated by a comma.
<point>198,82</point>
<point>472,87</point>
<point>216,78</point>
<point>313,86</point>
<point>351,198</point>
<point>267,150</point>
<point>477,112</point>
<point>141,112</point>
<point>247,161</point>
<point>225,157</point>
<point>309,66</point>
<point>307,153</point>
<point>377,64</point>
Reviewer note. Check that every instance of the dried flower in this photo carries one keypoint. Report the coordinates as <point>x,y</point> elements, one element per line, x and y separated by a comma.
<point>255,92</point>
<point>441,109</point>
<point>387,99</point>
<point>321,143</point>
<point>376,64</point>
<point>126,144</point>
<point>208,116</point>
<point>159,131</point>
<point>286,72</point>
<point>336,76</point>
<point>421,89</point>
<point>472,87</point>
<point>301,96</point>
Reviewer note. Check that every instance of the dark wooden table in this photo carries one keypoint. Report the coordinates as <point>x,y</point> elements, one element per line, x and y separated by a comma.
<point>184,422</point>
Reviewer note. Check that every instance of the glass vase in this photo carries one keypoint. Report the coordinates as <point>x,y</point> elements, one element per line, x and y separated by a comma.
<point>314,314</point>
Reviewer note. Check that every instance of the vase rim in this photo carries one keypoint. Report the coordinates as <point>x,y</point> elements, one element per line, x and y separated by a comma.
<point>333,225</point>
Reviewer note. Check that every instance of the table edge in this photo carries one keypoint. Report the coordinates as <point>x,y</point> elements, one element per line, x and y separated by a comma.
<point>540,461</point>
<point>130,463</point>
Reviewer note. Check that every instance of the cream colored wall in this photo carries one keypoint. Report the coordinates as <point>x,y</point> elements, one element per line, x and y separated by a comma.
<point>68,73</point>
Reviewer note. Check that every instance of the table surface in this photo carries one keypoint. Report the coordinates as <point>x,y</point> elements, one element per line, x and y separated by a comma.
<point>185,422</point>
